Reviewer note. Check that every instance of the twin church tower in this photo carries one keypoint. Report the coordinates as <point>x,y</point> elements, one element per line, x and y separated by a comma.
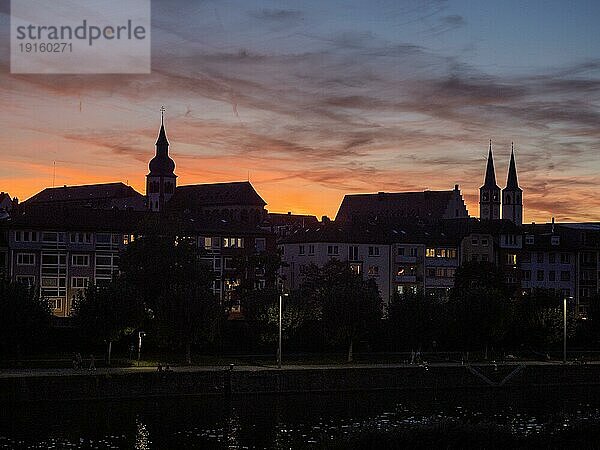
<point>512,194</point>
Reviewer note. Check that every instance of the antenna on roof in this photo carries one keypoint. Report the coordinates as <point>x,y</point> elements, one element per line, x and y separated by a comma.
<point>54,174</point>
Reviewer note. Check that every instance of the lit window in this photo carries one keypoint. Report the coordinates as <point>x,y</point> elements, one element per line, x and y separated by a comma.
<point>430,253</point>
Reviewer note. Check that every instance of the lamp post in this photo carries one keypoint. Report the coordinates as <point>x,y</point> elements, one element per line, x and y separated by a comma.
<point>565,330</point>
<point>141,334</point>
<point>279,355</point>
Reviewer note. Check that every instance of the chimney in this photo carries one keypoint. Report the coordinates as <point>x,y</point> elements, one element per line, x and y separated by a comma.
<point>456,188</point>
<point>552,225</point>
<point>325,219</point>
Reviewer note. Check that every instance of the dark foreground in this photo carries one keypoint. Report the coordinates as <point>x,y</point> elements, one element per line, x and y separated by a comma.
<point>511,418</point>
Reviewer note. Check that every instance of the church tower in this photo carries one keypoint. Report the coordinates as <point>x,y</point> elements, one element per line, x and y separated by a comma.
<point>512,194</point>
<point>161,181</point>
<point>489,193</point>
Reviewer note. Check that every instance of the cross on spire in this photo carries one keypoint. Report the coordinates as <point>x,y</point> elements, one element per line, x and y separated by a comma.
<point>162,114</point>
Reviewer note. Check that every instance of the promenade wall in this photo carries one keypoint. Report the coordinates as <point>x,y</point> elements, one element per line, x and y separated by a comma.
<point>271,381</point>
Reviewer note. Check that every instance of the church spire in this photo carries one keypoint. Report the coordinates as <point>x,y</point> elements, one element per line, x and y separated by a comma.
<point>162,135</point>
<point>490,172</point>
<point>161,181</point>
<point>512,181</point>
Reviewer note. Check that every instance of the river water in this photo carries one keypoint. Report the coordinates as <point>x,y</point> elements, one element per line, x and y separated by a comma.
<point>490,418</point>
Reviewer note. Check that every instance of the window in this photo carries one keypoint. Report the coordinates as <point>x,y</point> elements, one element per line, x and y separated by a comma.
<point>79,282</point>
<point>332,250</point>
<point>529,239</point>
<point>80,238</point>
<point>27,280</point>
<point>81,260</point>
<point>555,240</point>
<point>373,251</point>
<point>373,271</point>
<point>511,259</point>
<point>484,242</point>
<point>103,238</point>
<point>430,253</point>
<point>217,285</point>
<point>128,239</point>
<point>311,249</point>
<point>55,303</point>
<point>526,257</point>
<point>444,272</point>
<point>540,257</point>
<point>353,253</point>
<point>565,275</point>
<point>474,241</point>
<point>356,268</point>
<point>26,236</point>
<point>552,258</point>
<point>217,263</point>
<point>431,272</point>
<point>400,251</point>
<point>301,249</point>
<point>228,263</point>
<point>49,237</point>
<point>260,244</point>
<point>485,258</point>
<point>526,275</point>
<point>25,259</point>
<point>565,258</point>
<point>233,242</point>
<point>413,251</point>
<point>211,242</point>
<point>540,275</point>
<point>53,259</point>
<point>552,275</point>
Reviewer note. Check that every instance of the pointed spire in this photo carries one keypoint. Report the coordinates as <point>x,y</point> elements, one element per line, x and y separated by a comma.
<point>162,164</point>
<point>162,135</point>
<point>512,181</point>
<point>490,173</point>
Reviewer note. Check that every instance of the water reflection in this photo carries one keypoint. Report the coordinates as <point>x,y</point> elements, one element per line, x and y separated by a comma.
<point>311,421</point>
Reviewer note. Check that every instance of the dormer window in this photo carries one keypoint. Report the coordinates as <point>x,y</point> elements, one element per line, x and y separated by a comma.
<point>555,240</point>
<point>529,239</point>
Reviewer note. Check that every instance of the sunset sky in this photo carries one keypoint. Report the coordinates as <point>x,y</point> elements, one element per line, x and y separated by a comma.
<point>315,99</point>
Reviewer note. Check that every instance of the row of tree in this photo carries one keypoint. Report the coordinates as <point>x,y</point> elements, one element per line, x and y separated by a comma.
<point>165,289</point>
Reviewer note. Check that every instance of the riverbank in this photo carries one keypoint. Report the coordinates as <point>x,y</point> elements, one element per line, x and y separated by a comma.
<point>144,382</point>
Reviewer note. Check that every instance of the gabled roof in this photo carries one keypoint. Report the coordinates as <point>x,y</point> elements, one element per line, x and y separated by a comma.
<point>282,219</point>
<point>4,196</point>
<point>427,205</point>
<point>197,196</point>
<point>83,192</point>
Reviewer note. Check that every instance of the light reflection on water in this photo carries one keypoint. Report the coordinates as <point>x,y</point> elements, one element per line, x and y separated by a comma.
<point>310,421</point>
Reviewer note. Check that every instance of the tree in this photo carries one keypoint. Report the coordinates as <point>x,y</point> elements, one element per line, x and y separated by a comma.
<point>348,305</point>
<point>24,316</point>
<point>107,313</point>
<point>261,310</point>
<point>414,319</point>
<point>538,319</point>
<point>479,306</point>
<point>176,286</point>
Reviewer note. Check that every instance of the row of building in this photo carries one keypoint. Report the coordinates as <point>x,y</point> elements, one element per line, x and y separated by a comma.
<point>64,238</point>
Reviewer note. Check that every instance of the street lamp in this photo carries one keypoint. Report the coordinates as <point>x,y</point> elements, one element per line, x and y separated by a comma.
<point>279,355</point>
<point>141,334</point>
<point>565,328</point>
